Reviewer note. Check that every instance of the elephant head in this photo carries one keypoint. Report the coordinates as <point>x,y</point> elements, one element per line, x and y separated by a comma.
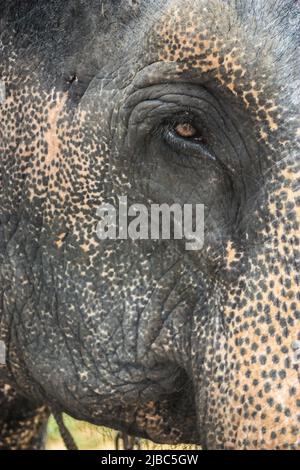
<point>162,102</point>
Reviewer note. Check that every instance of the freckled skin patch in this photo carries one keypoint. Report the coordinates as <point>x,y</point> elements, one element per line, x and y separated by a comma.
<point>255,406</point>
<point>146,337</point>
<point>23,425</point>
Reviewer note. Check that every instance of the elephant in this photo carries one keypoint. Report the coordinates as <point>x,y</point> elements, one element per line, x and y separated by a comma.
<point>161,102</point>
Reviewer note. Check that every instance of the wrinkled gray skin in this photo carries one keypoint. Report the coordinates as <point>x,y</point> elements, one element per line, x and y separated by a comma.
<point>144,336</point>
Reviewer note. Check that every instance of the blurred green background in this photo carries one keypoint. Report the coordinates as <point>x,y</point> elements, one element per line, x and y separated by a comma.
<point>89,437</point>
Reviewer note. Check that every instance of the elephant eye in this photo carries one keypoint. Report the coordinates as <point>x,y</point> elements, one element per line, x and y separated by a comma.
<point>186,130</point>
<point>186,137</point>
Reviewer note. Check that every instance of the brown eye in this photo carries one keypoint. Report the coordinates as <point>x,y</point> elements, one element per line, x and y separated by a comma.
<point>186,130</point>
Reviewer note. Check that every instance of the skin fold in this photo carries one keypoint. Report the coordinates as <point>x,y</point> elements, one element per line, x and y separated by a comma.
<point>163,102</point>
